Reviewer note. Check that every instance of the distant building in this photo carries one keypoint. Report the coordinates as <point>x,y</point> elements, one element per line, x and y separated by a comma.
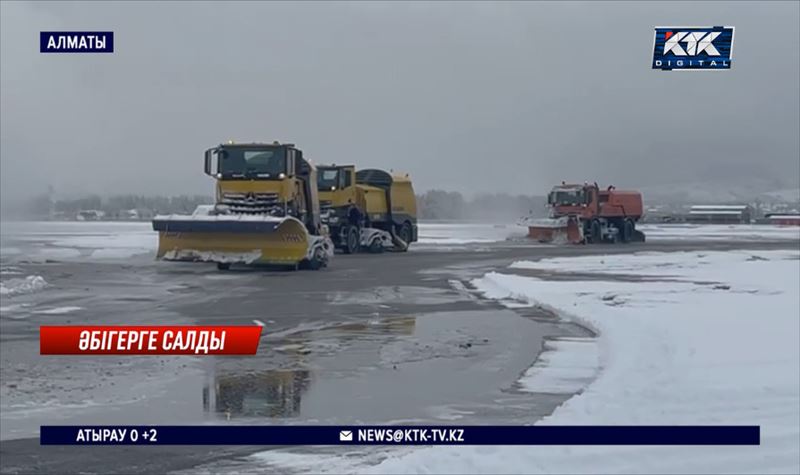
<point>90,215</point>
<point>784,219</point>
<point>651,217</point>
<point>720,214</point>
<point>130,214</point>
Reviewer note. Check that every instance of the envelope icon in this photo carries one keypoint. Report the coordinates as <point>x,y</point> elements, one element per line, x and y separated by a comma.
<point>345,435</point>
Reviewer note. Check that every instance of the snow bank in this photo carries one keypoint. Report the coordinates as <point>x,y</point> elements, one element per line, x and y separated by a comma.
<point>28,285</point>
<point>719,232</point>
<point>58,310</point>
<point>691,266</point>
<point>719,345</point>
<point>454,234</point>
<point>565,366</point>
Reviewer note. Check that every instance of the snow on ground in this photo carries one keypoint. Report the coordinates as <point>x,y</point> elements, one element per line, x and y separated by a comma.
<point>58,310</point>
<point>108,240</point>
<point>75,240</point>
<point>210,256</point>
<point>27,285</point>
<point>653,264</point>
<point>453,233</point>
<point>10,270</point>
<point>670,352</point>
<point>13,308</point>
<point>718,232</point>
<point>565,366</point>
<point>203,213</point>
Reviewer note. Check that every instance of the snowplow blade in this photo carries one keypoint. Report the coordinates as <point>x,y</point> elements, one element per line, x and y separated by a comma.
<point>227,239</point>
<point>556,230</point>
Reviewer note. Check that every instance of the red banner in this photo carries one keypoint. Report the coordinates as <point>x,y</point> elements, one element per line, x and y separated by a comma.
<point>149,340</point>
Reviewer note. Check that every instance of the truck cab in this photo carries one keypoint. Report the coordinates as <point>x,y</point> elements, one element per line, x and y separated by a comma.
<point>566,200</point>
<point>335,184</point>
<point>589,201</point>
<point>264,178</point>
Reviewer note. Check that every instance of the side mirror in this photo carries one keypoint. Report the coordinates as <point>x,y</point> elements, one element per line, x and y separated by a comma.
<point>208,158</point>
<point>295,162</point>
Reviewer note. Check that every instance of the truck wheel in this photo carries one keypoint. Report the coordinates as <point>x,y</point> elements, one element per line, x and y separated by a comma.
<point>627,231</point>
<point>352,240</point>
<point>404,233</point>
<point>594,232</point>
<point>317,261</point>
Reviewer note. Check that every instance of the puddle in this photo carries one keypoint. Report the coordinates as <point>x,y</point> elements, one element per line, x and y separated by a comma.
<point>398,294</point>
<point>95,391</point>
<point>378,326</point>
<point>271,394</point>
<point>464,271</point>
<point>432,367</point>
<point>425,368</point>
<point>310,332</point>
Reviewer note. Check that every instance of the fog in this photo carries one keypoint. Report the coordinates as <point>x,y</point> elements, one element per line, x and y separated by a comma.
<point>470,97</point>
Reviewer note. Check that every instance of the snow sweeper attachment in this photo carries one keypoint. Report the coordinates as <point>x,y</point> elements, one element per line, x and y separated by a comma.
<point>266,212</point>
<point>240,239</point>
<point>563,230</point>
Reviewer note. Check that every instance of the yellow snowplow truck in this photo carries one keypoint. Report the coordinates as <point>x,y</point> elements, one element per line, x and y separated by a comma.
<point>370,210</point>
<point>266,212</point>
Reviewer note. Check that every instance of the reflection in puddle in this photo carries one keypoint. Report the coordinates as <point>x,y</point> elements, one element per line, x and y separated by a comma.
<point>303,338</point>
<point>397,295</point>
<point>274,393</point>
<point>381,326</point>
<point>277,393</point>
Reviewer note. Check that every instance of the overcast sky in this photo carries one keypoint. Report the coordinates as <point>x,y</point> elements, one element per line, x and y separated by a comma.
<point>509,97</point>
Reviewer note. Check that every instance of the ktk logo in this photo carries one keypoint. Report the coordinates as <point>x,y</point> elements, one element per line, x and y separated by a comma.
<point>696,43</point>
<point>693,48</point>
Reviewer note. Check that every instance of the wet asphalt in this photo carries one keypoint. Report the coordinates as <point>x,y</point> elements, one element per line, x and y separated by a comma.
<point>396,338</point>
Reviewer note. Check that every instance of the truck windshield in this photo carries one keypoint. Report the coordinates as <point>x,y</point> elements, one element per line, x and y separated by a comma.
<point>265,163</point>
<point>567,197</point>
<point>327,179</point>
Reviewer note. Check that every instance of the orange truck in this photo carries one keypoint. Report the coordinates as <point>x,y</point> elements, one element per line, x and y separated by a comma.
<point>587,214</point>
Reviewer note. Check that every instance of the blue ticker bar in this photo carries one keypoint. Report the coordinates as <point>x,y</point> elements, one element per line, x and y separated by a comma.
<point>399,435</point>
